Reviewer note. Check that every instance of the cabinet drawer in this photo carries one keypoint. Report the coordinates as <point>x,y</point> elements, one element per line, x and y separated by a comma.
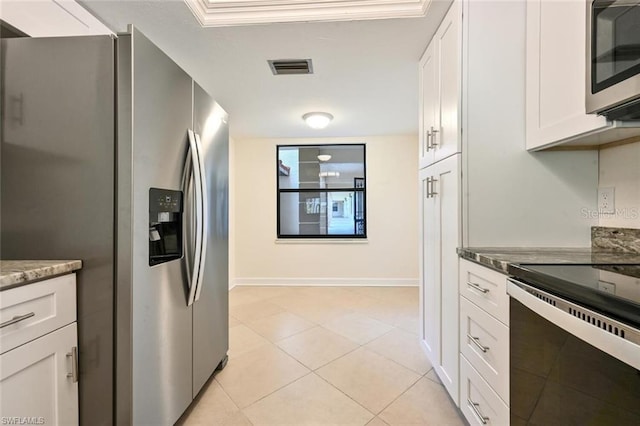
<point>478,402</point>
<point>485,288</point>
<point>45,306</point>
<point>478,331</point>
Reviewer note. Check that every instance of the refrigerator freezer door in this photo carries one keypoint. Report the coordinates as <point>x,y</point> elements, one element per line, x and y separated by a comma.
<point>211,310</point>
<point>58,184</point>
<point>161,319</point>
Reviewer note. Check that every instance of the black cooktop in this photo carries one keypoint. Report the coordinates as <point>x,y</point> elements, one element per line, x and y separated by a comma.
<point>612,290</point>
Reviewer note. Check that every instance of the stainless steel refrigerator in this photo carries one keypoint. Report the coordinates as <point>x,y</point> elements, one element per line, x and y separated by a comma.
<point>112,154</point>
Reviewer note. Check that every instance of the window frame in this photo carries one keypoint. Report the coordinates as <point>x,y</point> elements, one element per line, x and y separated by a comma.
<point>353,189</point>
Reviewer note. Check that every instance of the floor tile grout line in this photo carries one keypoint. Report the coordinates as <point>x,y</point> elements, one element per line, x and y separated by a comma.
<point>345,394</point>
<point>335,359</point>
<point>286,384</point>
<point>394,360</point>
<point>285,337</point>
<point>402,393</point>
<point>359,345</point>
<point>362,347</point>
<point>401,318</point>
<point>277,390</point>
<point>332,331</point>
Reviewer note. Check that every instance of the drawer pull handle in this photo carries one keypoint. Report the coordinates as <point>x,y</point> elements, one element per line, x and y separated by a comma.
<point>74,364</point>
<point>17,319</point>
<point>477,412</point>
<point>476,341</point>
<point>477,287</point>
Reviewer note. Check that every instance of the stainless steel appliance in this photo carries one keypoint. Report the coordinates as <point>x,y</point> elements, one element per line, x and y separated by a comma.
<point>112,154</point>
<point>574,344</point>
<point>613,58</point>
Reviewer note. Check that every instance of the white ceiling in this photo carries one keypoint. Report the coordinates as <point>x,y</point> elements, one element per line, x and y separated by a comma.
<point>365,72</point>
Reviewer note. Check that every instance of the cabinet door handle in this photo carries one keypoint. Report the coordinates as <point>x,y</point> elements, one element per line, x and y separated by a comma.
<point>428,187</point>
<point>433,192</point>
<point>477,287</point>
<point>477,412</point>
<point>476,341</point>
<point>17,319</point>
<point>74,364</point>
<point>429,140</point>
<point>433,137</point>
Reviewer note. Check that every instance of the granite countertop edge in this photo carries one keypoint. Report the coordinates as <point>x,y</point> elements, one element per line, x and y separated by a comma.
<point>499,258</point>
<point>15,273</point>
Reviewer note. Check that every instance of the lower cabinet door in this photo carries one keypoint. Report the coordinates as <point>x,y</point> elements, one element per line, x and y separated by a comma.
<point>38,380</point>
<point>478,401</point>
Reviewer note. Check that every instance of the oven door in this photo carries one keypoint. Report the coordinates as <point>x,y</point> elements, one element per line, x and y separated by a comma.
<point>613,56</point>
<point>557,378</point>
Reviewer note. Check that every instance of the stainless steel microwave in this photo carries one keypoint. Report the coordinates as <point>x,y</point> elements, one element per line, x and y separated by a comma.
<point>613,58</point>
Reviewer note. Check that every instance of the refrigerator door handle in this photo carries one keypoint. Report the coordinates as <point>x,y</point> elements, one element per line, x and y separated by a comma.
<point>193,271</point>
<point>205,216</point>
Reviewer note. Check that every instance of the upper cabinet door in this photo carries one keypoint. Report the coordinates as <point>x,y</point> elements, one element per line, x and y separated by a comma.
<point>440,80</point>
<point>429,103</point>
<point>555,84</point>
<point>445,137</point>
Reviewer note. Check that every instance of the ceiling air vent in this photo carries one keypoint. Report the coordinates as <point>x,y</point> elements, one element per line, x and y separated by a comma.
<point>290,66</point>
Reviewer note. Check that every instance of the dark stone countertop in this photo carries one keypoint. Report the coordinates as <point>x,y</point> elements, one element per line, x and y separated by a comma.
<point>499,258</point>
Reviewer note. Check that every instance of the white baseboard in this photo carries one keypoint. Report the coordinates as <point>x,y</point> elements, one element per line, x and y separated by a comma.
<point>328,282</point>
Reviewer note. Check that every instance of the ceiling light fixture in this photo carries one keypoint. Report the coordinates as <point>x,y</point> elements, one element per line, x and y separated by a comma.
<point>324,157</point>
<point>317,120</point>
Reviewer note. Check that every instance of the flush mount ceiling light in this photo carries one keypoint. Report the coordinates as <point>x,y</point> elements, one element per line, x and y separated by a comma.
<point>317,120</point>
<point>324,157</point>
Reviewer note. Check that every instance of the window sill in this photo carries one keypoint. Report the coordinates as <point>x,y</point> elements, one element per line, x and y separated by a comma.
<point>321,241</point>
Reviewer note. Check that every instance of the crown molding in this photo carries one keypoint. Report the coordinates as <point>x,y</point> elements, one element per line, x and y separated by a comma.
<point>220,13</point>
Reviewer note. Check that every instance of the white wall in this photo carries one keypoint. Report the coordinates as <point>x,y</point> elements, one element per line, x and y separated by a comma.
<point>388,257</point>
<point>513,198</point>
<point>620,168</point>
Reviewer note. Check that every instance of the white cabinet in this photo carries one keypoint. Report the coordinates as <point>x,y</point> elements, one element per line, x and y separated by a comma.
<point>38,364</point>
<point>440,141</point>
<point>52,18</point>
<point>555,84</point>
<point>479,404</point>
<point>440,236</point>
<point>37,379</point>
<point>486,288</point>
<point>440,81</point>
<point>484,341</point>
<point>484,344</point>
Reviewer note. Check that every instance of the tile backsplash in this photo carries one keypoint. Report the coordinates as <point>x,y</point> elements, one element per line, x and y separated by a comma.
<point>624,240</point>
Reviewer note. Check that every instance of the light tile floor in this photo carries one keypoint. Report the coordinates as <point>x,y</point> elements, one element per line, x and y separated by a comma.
<point>324,356</point>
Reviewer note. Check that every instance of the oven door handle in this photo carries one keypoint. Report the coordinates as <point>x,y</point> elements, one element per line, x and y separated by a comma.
<point>621,348</point>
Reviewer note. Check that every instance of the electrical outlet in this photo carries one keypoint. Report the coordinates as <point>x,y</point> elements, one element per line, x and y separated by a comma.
<point>607,287</point>
<point>606,200</point>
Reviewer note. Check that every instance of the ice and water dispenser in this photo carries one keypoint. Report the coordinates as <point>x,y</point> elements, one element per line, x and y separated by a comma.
<point>165,225</point>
